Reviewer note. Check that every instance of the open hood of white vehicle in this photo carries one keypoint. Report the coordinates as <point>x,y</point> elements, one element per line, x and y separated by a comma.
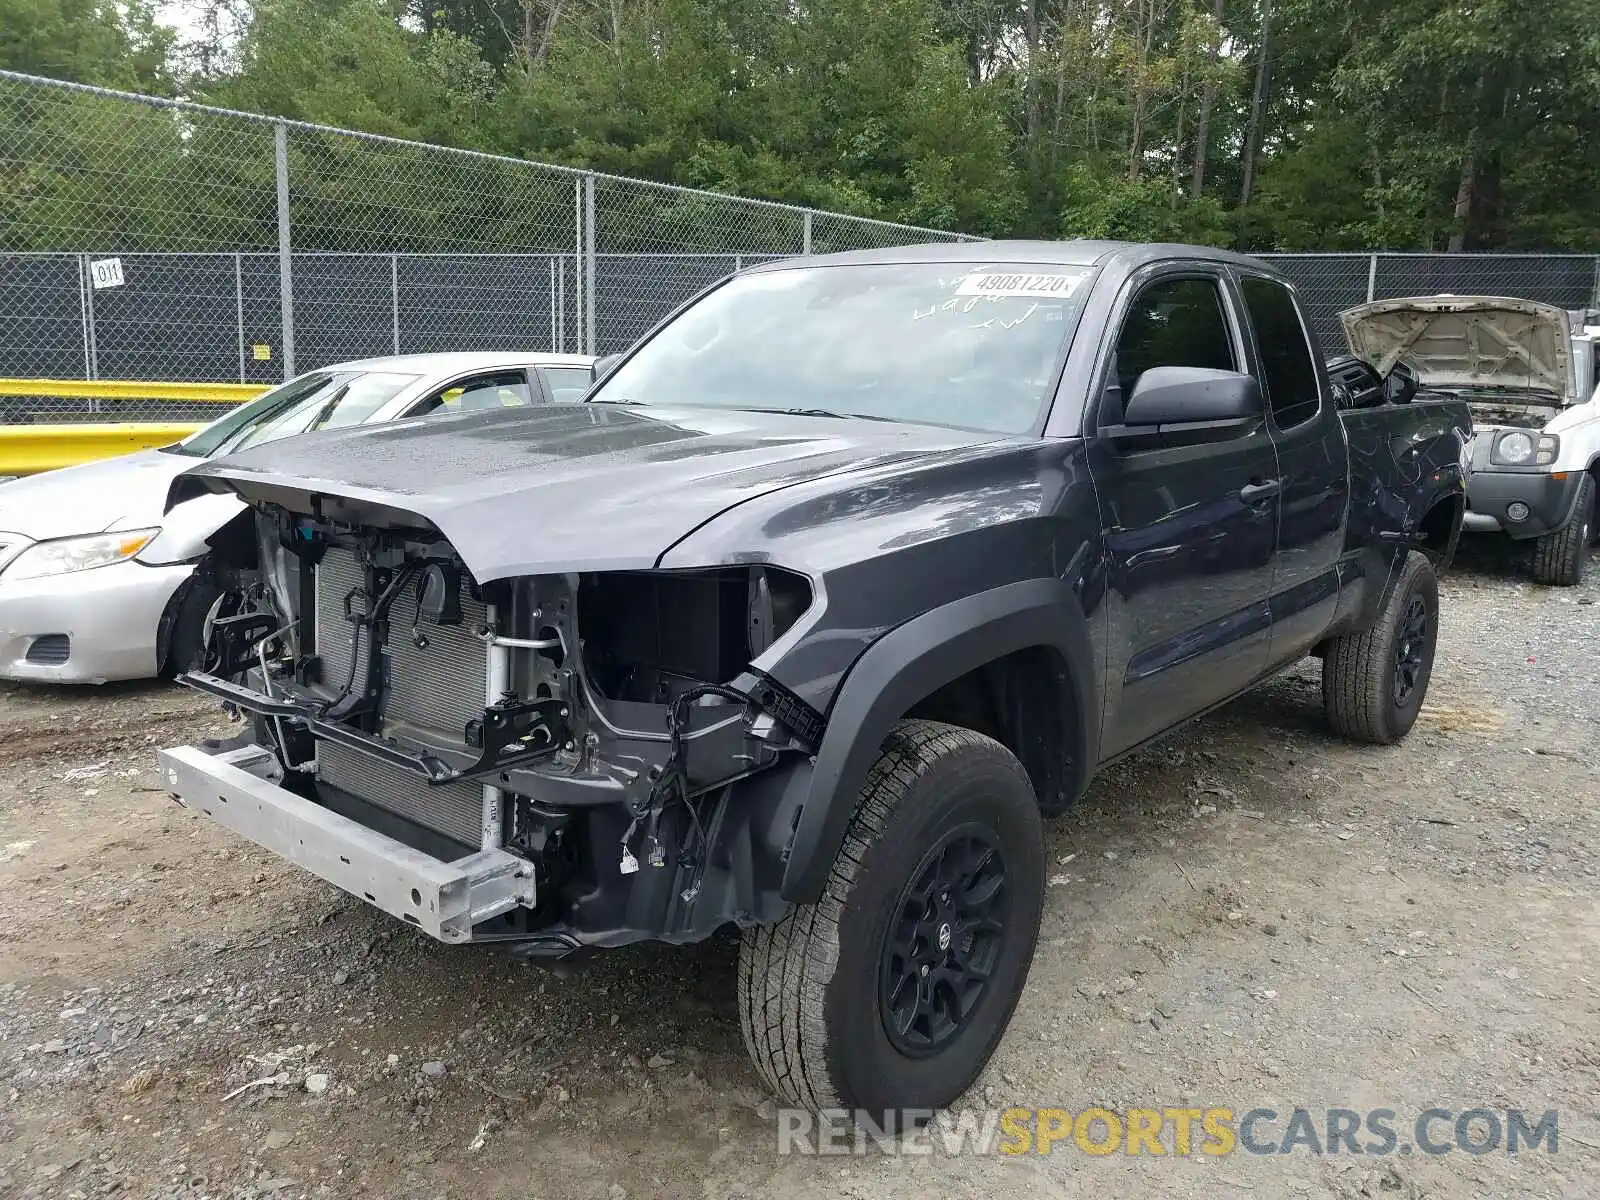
<point>1467,342</point>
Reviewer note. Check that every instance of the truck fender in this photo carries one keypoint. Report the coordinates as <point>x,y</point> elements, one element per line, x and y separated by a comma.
<point>911,662</point>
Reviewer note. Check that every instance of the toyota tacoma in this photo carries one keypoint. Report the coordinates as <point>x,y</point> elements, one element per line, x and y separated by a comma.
<point>840,582</point>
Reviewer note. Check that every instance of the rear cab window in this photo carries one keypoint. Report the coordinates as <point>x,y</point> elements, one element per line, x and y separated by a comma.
<point>1288,370</point>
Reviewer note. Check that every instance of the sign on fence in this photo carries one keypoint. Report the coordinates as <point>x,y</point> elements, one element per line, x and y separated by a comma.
<point>106,273</point>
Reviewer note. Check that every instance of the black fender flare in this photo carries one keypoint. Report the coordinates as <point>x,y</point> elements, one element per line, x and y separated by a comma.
<point>911,662</point>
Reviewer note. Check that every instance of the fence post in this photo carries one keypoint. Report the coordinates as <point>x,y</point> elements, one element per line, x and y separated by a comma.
<point>1372,279</point>
<point>238,308</point>
<point>84,325</point>
<point>589,262</point>
<point>280,154</point>
<point>1594,289</point>
<point>551,263</point>
<point>394,297</point>
<point>561,306</point>
<point>94,329</point>
<point>805,234</point>
<point>577,260</point>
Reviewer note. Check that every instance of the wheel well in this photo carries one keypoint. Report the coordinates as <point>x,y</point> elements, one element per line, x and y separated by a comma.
<point>1023,702</point>
<point>164,626</point>
<point>1440,530</point>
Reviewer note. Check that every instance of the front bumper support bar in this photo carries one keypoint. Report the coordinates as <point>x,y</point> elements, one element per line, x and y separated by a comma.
<point>443,899</point>
<point>509,734</point>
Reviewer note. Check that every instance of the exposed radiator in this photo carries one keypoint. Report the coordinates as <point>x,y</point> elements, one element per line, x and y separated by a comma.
<point>439,687</point>
<point>453,809</point>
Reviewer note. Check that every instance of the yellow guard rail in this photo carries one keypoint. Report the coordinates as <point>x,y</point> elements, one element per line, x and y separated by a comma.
<point>29,449</point>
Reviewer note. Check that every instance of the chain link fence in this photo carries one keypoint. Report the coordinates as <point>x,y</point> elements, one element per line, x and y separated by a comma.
<point>1331,283</point>
<point>159,240</point>
<point>152,239</point>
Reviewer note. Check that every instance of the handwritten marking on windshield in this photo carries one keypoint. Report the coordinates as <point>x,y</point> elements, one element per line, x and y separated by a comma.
<point>1032,308</point>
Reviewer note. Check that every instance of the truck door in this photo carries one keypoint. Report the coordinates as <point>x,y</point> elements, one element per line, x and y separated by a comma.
<point>1190,527</point>
<point>1313,463</point>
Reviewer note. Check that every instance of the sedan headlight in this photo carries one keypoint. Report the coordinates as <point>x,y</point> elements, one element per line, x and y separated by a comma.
<point>66,555</point>
<point>1514,448</point>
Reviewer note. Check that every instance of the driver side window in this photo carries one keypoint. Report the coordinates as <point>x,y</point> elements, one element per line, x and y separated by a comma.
<point>1171,323</point>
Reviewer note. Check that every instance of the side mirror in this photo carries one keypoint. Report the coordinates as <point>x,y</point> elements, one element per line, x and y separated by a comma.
<point>1400,385</point>
<point>602,367</point>
<point>1184,395</point>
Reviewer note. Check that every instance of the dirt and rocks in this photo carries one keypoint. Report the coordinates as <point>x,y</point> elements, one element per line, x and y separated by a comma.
<point>1250,915</point>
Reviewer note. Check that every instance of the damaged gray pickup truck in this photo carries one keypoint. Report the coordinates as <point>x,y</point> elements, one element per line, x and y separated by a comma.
<point>832,589</point>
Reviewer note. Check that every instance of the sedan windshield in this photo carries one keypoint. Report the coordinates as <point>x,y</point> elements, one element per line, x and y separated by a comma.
<point>967,345</point>
<point>320,400</point>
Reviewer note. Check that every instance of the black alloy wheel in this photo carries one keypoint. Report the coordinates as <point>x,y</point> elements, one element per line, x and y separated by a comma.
<point>944,940</point>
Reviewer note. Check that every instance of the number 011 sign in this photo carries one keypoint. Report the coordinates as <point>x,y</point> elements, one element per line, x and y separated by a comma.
<point>106,273</point>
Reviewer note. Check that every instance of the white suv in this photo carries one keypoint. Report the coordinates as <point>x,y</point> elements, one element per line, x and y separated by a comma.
<point>1528,372</point>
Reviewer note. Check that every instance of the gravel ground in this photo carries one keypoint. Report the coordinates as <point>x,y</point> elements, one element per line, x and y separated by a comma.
<point>1251,915</point>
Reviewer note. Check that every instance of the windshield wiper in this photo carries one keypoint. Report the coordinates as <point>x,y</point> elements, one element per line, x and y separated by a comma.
<point>821,412</point>
<point>624,400</point>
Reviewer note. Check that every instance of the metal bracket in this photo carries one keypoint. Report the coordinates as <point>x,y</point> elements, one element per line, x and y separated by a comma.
<point>805,722</point>
<point>236,638</point>
<point>494,882</point>
<point>511,733</point>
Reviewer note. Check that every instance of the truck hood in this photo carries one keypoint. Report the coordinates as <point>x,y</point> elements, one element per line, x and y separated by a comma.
<point>123,493</point>
<point>1469,342</point>
<point>580,487</point>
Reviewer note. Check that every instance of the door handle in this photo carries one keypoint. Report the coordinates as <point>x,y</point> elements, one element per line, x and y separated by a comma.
<point>1253,493</point>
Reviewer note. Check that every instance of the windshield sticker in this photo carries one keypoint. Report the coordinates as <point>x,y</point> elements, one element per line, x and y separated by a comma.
<point>1036,287</point>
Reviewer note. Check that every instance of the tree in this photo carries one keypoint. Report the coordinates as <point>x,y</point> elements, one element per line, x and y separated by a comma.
<point>1312,124</point>
<point>1470,103</point>
<point>86,41</point>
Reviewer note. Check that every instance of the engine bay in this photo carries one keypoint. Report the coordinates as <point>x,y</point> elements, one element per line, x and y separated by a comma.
<point>548,716</point>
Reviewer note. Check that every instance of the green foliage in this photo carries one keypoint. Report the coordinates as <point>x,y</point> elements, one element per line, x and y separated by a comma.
<point>86,41</point>
<point>1381,123</point>
<point>846,104</point>
<point>351,63</point>
<point>1138,210</point>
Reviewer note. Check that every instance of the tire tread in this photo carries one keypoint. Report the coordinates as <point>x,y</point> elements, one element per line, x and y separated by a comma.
<point>784,968</point>
<point>1356,669</point>
<point>1558,558</point>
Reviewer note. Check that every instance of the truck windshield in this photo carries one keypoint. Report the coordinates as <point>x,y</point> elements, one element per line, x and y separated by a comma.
<point>969,345</point>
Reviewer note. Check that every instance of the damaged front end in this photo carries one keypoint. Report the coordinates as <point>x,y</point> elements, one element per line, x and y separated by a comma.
<point>563,760</point>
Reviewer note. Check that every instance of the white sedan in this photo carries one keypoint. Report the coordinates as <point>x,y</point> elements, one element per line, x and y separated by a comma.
<point>82,599</point>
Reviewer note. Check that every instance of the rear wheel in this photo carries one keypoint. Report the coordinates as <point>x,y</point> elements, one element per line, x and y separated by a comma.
<point>1374,682</point>
<point>1559,557</point>
<point>890,993</point>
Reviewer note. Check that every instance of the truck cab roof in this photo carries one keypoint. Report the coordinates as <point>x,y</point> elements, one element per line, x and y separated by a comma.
<point>1077,252</point>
